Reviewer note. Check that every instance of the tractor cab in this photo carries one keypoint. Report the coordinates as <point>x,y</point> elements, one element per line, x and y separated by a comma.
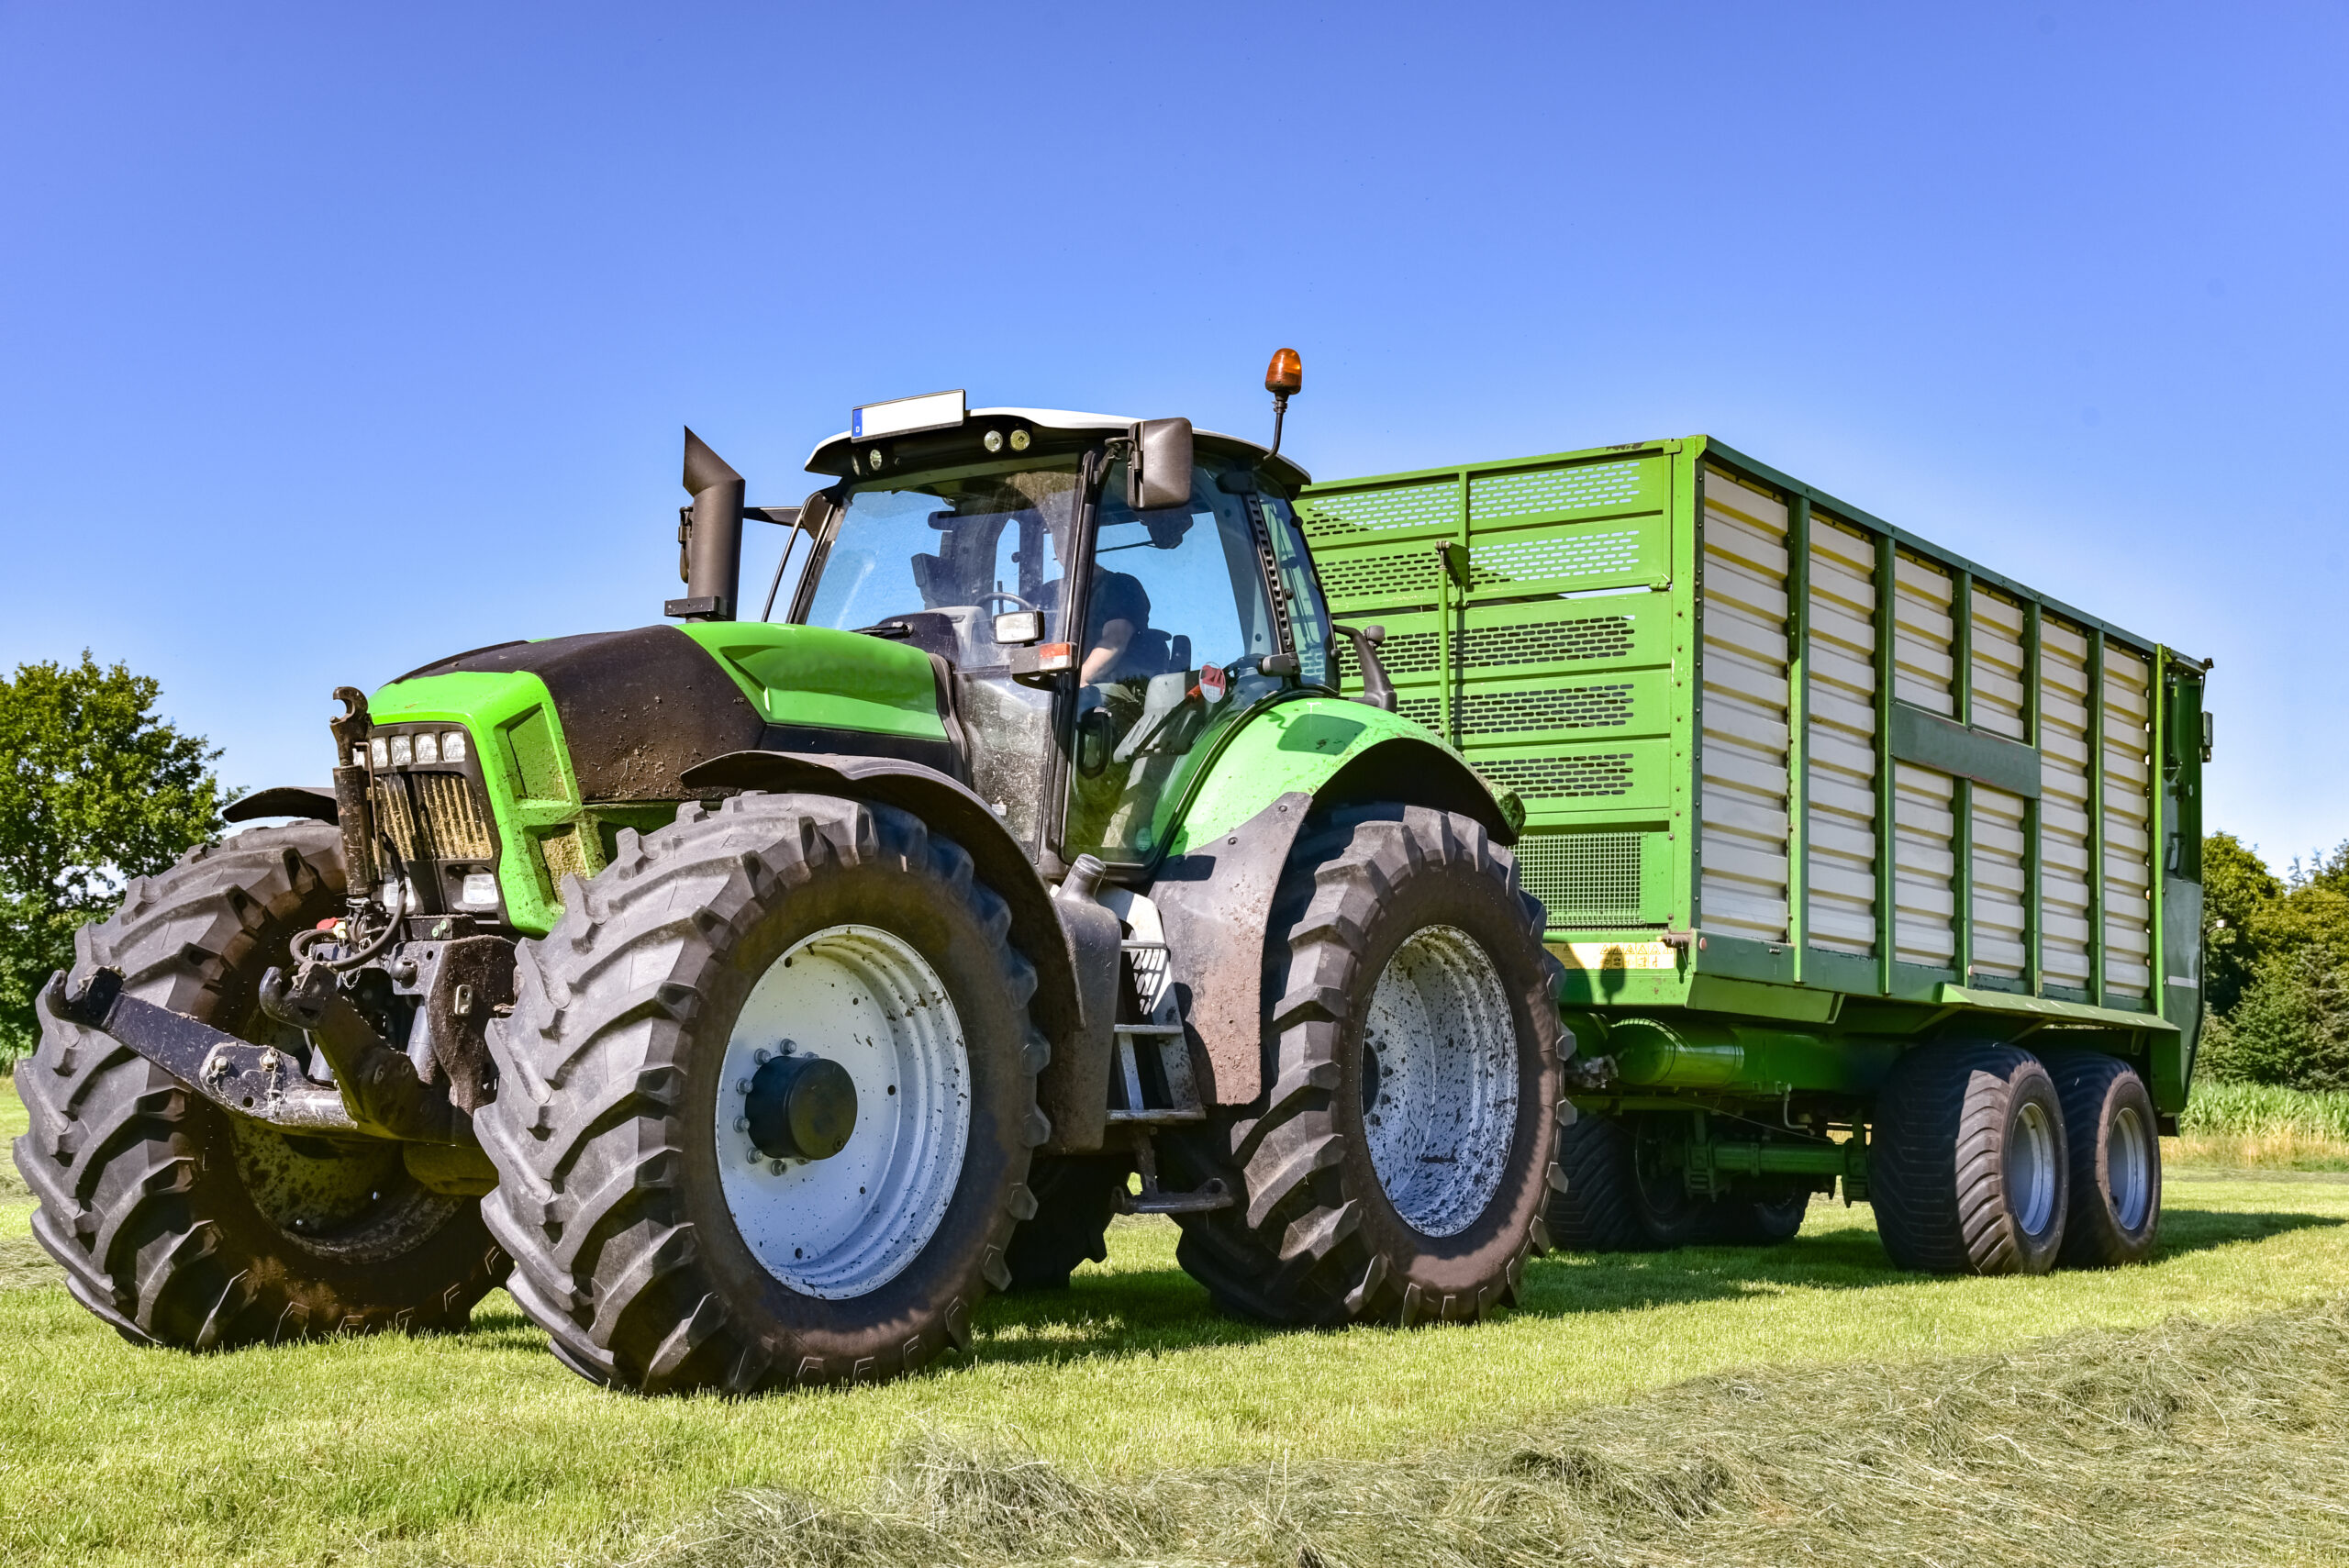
<point>1103,597</point>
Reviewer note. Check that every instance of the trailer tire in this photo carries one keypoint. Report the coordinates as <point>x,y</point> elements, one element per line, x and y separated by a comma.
<point>1077,1196</point>
<point>656,1244</point>
<point>2116,1188</point>
<point>1760,1212</point>
<point>1388,918</point>
<point>179,1224</point>
<point>1967,1168</point>
<point>1594,1214</point>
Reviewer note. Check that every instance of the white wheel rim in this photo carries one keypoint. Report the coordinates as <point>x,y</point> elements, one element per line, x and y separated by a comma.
<point>846,1225</point>
<point>2128,1168</point>
<point>2030,1169</point>
<point>1439,1081</point>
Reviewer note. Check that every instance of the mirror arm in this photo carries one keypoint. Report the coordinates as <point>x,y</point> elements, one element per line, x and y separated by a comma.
<point>1378,691</point>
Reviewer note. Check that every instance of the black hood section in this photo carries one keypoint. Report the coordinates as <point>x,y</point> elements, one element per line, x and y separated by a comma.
<point>639,707</point>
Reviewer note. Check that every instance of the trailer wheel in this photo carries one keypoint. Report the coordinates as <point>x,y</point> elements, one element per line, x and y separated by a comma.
<point>2116,1175</point>
<point>1594,1214</point>
<point>1967,1167</point>
<point>767,1101</point>
<point>1397,1166</point>
<point>1760,1211</point>
<point>179,1224</point>
<point>1077,1196</point>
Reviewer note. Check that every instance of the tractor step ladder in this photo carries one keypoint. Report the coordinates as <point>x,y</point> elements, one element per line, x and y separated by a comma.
<point>1170,1096</point>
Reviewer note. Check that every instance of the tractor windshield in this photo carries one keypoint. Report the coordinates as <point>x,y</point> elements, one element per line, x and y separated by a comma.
<point>944,557</point>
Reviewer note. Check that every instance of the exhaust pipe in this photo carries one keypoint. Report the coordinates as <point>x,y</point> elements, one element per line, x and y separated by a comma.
<point>712,535</point>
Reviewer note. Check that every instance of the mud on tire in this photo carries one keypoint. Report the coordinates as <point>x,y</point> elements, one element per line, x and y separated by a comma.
<point>179,1224</point>
<point>606,1132</point>
<point>1323,1237</point>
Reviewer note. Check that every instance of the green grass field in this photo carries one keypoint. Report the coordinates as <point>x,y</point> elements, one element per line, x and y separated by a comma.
<point>480,1448</point>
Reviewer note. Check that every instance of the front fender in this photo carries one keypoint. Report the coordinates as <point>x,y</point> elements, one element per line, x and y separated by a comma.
<point>1339,752</point>
<point>1214,887</point>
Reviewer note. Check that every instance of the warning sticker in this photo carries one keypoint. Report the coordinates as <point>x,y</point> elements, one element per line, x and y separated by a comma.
<point>1212,682</point>
<point>1615,955</point>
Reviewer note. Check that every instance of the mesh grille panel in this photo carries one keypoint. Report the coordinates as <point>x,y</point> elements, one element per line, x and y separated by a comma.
<point>1527,559</point>
<point>1503,713</point>
<point>1379,511</point>
<point>1554,490</point>
<point>432,817</point>
<point>1380,576</point>
<point>1583,879</point>
<point>565,857</point>
<point>1491,647</point>
<point>1560,778</point>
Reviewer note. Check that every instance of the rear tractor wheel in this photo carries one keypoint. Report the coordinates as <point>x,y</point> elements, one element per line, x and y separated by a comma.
<point>180,1224</point>
<point>1396,1168</point>
<point>767,1102</point>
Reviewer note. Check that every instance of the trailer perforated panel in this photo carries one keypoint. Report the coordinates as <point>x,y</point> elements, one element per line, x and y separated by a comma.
<point>2001,874</point>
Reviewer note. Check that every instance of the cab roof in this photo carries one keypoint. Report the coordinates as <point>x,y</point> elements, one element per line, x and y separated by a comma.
<point>833,455</point>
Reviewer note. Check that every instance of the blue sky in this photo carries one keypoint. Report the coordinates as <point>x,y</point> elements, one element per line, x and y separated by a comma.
<point>336,337</point>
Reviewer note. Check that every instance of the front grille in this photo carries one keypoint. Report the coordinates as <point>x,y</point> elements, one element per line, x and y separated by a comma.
<point>433,816</point>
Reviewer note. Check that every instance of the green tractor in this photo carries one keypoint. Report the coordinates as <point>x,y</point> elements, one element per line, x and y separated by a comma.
<point>752,996</point>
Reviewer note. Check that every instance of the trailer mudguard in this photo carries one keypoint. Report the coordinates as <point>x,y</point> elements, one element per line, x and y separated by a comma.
<point>1074,1088</point>
<point>1215,888</point>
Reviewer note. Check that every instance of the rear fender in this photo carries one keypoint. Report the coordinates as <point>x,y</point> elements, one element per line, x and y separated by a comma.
<point>1073,1089</point>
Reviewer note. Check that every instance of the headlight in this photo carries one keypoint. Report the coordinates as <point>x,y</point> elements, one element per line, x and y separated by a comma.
<point>427,748</point>
<point>381,752</point>
<point>480,890</point>
<point>358,756</point>
<point>452,746</point>
<point>403,751</point>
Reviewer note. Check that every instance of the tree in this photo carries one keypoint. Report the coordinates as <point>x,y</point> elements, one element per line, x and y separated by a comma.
<point>2237,890</point>
<point>94,788</point>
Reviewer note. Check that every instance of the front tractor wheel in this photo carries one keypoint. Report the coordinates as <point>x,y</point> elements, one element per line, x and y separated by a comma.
<point>767,1102</point>
<point>1396,1168</point>
<point>180,1224</point>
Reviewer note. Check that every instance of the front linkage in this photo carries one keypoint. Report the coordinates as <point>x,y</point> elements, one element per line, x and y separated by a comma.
<point>346,986</point>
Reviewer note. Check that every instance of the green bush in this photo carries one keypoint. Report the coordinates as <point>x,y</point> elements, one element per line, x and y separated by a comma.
<point>2275,968</point>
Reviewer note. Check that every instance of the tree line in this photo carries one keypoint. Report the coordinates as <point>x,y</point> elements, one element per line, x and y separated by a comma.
<point>96,787</point>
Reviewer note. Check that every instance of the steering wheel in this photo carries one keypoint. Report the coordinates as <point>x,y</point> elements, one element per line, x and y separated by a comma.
<point>998,594</point>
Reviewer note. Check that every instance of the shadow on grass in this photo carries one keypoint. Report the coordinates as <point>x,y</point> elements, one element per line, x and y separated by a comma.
<point>1136,1313</point>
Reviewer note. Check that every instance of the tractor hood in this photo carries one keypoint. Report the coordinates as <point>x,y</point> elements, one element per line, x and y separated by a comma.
<point>634,709</point>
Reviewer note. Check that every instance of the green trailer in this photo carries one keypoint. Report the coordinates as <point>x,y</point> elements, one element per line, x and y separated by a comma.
<point>1864,864</point>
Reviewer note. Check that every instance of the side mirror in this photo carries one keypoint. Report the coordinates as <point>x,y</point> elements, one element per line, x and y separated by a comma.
<point>1159,474</point>
<point>1017,629</point>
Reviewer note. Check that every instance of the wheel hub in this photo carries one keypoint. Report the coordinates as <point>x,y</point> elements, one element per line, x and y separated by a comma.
<point>843,1111</point>
<point>801,1107</point>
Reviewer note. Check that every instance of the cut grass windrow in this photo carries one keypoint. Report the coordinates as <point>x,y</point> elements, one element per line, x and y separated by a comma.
<point>2181,1443</point>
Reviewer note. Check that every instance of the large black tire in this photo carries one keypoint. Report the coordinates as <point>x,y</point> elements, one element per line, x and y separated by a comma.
<point>1967,1168</point>
<point>1760,1212</point>
<point>1317,1237</point>
<point>2116,1211</point>
<point>605,1129</point>
<point>1622,1195</point>
<point>181,1225</point>
<point>1077,1196</point>
<point>1594,1212</point>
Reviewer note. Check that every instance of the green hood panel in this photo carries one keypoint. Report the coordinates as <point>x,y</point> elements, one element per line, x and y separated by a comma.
<point>814,676</point>
<point>577,738</point>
